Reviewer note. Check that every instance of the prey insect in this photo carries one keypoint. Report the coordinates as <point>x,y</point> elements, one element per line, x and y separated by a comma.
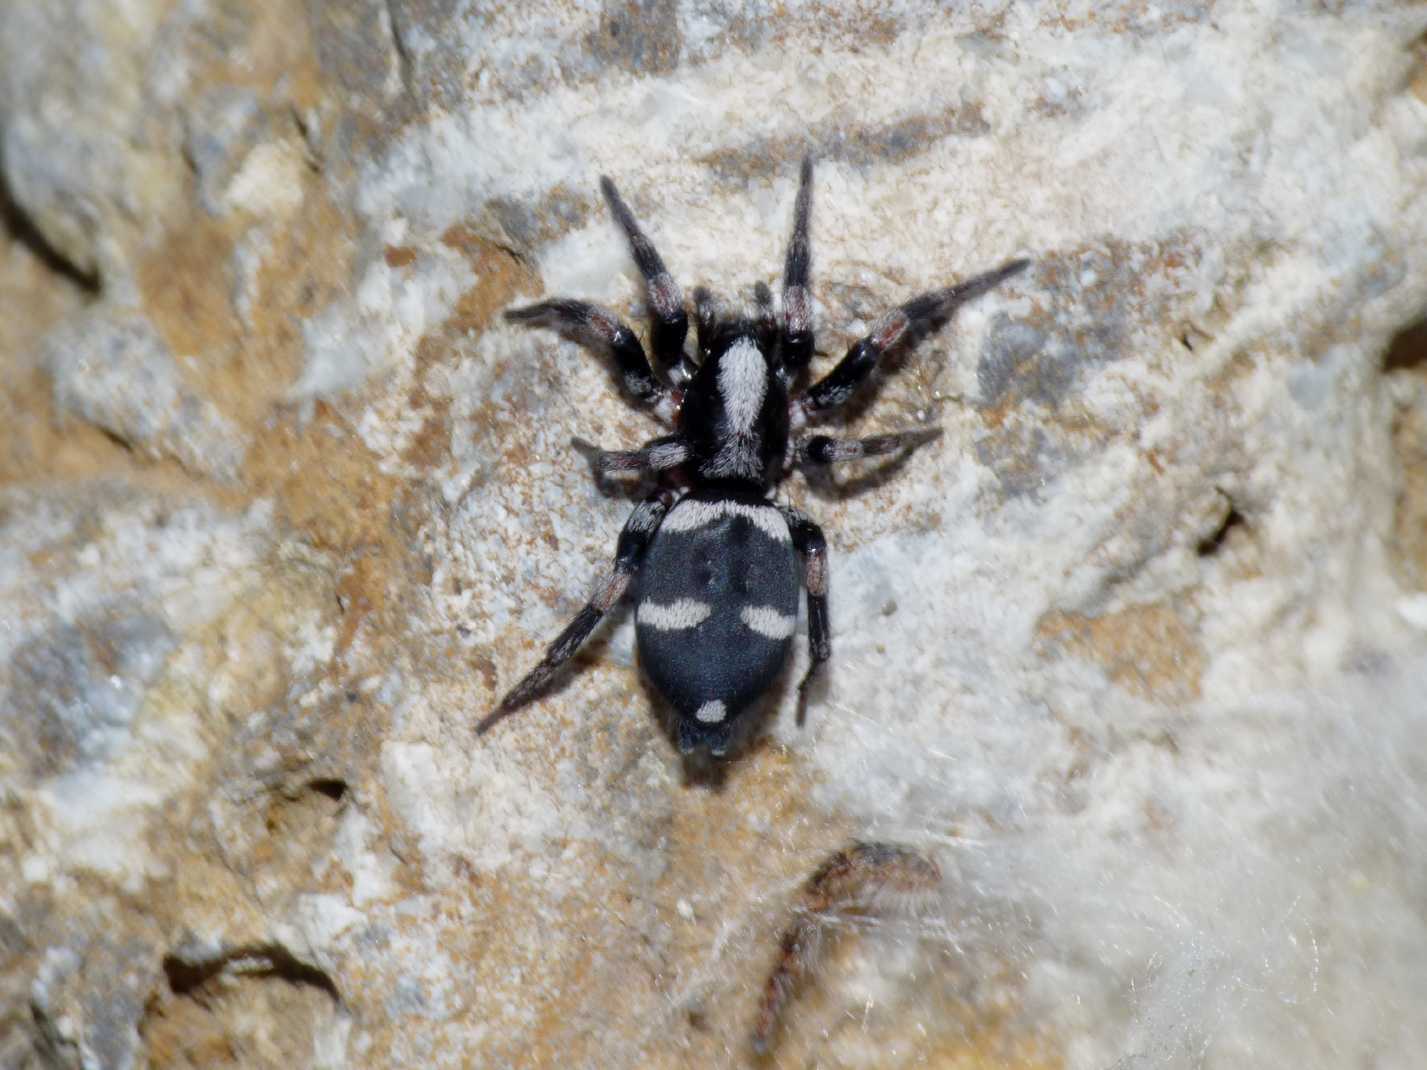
<point>862,879</point>
<point>713,564</point>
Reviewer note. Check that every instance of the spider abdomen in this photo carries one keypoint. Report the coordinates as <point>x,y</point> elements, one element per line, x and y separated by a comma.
<point>716,607</point>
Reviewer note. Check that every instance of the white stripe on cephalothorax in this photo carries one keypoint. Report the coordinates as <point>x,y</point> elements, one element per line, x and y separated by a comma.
<point>739,456</point>
<point>676,616</point>
<point>742,383</point>
<point>689,515</point>
<point>767,621</point>
<point>711,712</point>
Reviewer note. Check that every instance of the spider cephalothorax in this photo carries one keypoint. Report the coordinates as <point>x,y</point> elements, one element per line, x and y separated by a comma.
<point>715,564</point>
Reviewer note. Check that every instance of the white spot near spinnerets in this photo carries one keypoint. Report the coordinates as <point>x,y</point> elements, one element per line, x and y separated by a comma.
<point>711,712</point>
<point>674,617</point>
<point>767,621</point>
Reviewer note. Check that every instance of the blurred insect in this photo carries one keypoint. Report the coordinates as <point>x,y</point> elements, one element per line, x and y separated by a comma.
<point>714,564</point>
<point>861,879</point>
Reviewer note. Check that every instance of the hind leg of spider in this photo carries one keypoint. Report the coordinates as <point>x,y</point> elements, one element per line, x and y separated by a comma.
<point>666,300</point>
<point>629,555</point>
<point>820,449</point>
<point>811,548</point>
<point>601,330</point>
<point>904,325</point>
<point>797,328</point>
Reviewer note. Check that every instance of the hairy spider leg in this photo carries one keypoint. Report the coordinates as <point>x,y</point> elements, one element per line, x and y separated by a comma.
<point>629,555</point>
<point>601,330</point>
<point>765,326</point>
<point>906,324</point>
<point>670,323</point>
<point>707,310</point>
<point>796,349</point>
<point>821,449</point>
<point>811,548</point>
<point>655,457</point>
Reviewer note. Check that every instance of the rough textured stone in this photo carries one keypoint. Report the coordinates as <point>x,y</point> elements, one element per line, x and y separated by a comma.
<point>72,692</point>
<point>114,371</point>
<point>1135,650</point>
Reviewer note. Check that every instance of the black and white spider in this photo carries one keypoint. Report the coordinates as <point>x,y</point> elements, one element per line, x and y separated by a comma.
<point>712,560</point>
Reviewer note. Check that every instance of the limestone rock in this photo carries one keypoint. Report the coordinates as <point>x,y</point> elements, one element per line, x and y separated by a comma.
<point>114,371</point>
<point>1135,650</point>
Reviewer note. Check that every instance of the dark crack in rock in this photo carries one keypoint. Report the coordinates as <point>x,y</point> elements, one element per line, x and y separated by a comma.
<point>258,1007</point>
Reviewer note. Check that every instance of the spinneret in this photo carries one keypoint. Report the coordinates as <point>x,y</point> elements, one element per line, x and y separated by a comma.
<point>713,564</point>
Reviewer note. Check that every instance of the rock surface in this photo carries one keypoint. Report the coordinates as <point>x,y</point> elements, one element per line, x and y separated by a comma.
<point>1136,650</point>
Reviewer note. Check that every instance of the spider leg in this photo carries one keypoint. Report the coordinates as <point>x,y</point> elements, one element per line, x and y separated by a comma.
<point>766,324</point>
<point>821,449</point>
<point>797,348</point>
<point>654,457</point>
<point>811,547</point>
<point>629,555</point>
<point>666,300</point>
<point>907,323</point>
<point>706,310</point>
<point>600,329</point>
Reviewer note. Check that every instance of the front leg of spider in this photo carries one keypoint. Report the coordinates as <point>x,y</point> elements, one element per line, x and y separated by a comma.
<point>666,300</point>
<point>796,344</point>
<point>634,541</point>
